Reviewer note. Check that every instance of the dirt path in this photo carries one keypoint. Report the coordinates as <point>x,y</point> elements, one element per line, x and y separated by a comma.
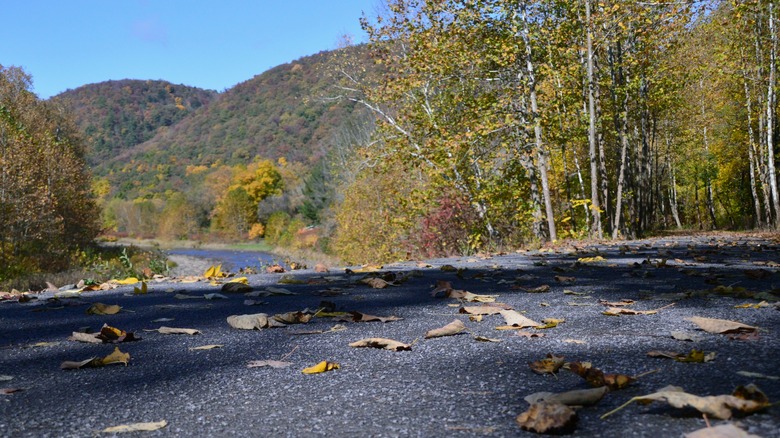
<point>457,385</point>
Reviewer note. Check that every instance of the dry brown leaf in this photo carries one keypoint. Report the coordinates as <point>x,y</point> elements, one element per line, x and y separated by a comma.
<point>516,320</point>
<point>206,347</point>
<point>550,365</point>
<point>275,269</point>
<point>453,328</point>
<point>254,321</point>
<point>579,397</point>
<point>187,297</point>
<point>442,288</point>
<point>136,427</point>
<point>685,336</point>
<point>720,326</point>
<point>376,283</point>
<point>548,418</point>
<point>7,391</point>
<point>116,356</point>
<point>364,317</point>
<point>321,268</point>
<point>745,400</point>
<point>85,337</point>
<point>564,279</point>
<point>696,356</point>
<point>597,378</point>
<point>486,339</point>
<point>268,363</point>
<point>621,303</point>
<point>526,334</point>
<point>293,317</point>
<point>485,309</point>
<point>387,344</point>
<point>177,331</point>
<point>535,290</point>
<point>103,309</point>
<point>721,431</point>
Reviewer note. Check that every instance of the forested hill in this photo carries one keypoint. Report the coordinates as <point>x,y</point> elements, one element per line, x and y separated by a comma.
<point>117,115</point>
<point>278,113</point>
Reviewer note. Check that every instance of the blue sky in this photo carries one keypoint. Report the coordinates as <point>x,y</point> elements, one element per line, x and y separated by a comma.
<point>212,44</point>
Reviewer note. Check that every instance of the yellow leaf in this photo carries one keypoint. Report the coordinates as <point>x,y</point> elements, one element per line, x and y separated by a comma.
<point>242,280</point>
<point>142,290</point>
<point>214,272</point>
<point>591,259</point>
<point>116,357</point>
<point>321,367</point>
<point>126,281</point>
<point>103,309</point>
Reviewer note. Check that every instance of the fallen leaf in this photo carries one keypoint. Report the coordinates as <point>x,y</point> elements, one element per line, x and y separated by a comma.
<point>254,321</point>
<point>207,347</point>
<point>579,397</point>
<point>126,281</point>
<point>745,400</point>
<point>696,356</point>
<point>376,283</point>
<point>114,335</point>
<point>136,427</point>
<point>236,287</point>
<point>548,418</point>
<point>142,290</point>
<point>550,365</point>
<point>442,288</point>
<point>163,319</point>
<point>720,431</point>
<point>214,271</point>
<point>486,309</point>
<point>468,296</point>
<point>564,279</point>
<point>275,269</point>
<point>621,303</point>
<point>514,319</point>
<point>597,378</point>
<point>387,344</point>
<point>177,331</point>
<point>527,334</point>
<point>364,317</point>
<point>757,375</point>
<point>268,363</point>
<point>7,391</point>
<point>616,311</point>
<point>486,339</point>
<point>269,291</point>
<point>321,268</point>
<point>5,378</point>
<point>453,328</point>
<point>187,297</point>
<point>215,296</point>
<point>116,356</point>
<point>686,336</point>
<point>335,328</point>
<point>535,290</point>
<point>293,317</point>
<point>595,259</point>
<point>574,341</point>
<point>720,326</point>
<point>321,367</point>
<point>103,309</point>
<point>549,323</point>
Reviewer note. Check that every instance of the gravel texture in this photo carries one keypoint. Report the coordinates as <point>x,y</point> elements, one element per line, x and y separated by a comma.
<point>450,386</point>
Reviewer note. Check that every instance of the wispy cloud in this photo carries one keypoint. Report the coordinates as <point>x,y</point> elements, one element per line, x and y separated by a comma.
<point>150,30</point>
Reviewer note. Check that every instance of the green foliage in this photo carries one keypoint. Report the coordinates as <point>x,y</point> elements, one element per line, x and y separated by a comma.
<point>117,115</point>
<point>276,227</point>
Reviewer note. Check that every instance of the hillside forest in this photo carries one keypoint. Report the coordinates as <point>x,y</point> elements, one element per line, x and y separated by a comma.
<point>460,126</point>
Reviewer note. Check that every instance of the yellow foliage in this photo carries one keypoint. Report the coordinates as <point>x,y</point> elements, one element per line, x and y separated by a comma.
<point>257,231</point>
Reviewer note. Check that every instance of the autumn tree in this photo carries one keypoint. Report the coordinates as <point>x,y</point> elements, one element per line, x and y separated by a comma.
<point>46,204</point>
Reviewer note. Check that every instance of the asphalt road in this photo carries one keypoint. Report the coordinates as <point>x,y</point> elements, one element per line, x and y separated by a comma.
<point>448,386</point>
